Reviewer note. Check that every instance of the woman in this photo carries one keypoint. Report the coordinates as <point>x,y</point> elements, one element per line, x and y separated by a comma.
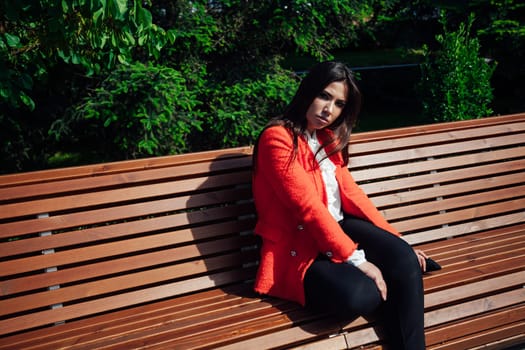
<point>325,245</point>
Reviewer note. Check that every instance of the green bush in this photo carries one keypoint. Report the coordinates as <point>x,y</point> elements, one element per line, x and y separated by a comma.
<point>238,111</point>
<point>138,110</point>
<point>455,81</point>
<point>142,110</point>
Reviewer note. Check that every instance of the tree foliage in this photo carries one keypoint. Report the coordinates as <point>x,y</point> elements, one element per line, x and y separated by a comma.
<point>95,35</point>
<point>137,109</point>
<point>45,46</point>
<point>117,79</point>
<point>456,79</point>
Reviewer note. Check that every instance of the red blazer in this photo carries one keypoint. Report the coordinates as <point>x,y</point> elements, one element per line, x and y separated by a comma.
<point>293,219</point>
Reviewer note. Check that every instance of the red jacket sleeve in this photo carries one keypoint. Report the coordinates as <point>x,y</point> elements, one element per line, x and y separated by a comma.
<point>356,202</point>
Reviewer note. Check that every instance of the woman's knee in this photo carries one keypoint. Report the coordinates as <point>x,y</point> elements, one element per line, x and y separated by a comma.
<point>403,262</point>
<point>362,300</point>
<point>340,288</point>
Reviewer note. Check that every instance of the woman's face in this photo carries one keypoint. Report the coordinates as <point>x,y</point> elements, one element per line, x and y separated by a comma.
<point>327,106</point>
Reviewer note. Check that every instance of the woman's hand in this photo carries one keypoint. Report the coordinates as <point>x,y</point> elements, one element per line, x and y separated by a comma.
<point>375,274</point>
<point>421,257</point>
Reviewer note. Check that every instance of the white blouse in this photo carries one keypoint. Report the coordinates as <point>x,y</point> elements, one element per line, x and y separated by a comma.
<point>332,190</point>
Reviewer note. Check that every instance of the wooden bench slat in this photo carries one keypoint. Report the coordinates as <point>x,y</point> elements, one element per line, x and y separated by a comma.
<point>507,242</point>
<point>225,214</point>
<point>122,230</point>
<point>114,284</point>
<point>435,150</point>
<point>46,317</point>
<point>90,271</point>
<point>284,337</point>
<point>102,251</point>
<point>438,164</point>
<point>436,138</point>
<point>476,325</point>
<point>186,328</point>
<point>479,239</point>
<point>429,129</point>
<point>184,331</point>
<point>85,328</point>
<point>480,340</point>
<point>115,197</point>
<point>502,342</point>
<point>91,171</point>
<point>128,212</point>
<point>472,272</point>
<point>67,276</point>
<point>198,176</point>
<point>229,329</point>
<point>453,203</point>
<point>189,323</point>
<point>336,342</point>
<point>442,177</point>
<point>472,267</point>
<point>480,255</point>
<point>449,189</point>
<point>482,287</point>
<point>482,250</point>
<point>461,215</point>
<point>464,228</point>
<point>126,194</point>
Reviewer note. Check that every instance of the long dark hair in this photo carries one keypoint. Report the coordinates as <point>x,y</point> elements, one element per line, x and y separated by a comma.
<point>317,79</point>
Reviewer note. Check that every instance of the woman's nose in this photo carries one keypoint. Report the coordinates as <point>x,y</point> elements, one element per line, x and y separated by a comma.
<point>328,108</point>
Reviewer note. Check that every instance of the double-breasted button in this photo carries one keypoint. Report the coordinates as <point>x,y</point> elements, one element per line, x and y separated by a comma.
<point>293,253</point>
<point>329,254</point>
<point>300,227</point>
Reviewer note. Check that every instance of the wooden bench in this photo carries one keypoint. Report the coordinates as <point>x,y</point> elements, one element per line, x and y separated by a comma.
<point>159,253</point>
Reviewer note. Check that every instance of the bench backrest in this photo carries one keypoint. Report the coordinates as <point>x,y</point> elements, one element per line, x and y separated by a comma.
<point>82,241</point>
<point>445,180</point>
<point>128,235</point>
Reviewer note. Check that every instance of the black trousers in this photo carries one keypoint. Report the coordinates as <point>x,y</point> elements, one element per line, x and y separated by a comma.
<point>346,291</point>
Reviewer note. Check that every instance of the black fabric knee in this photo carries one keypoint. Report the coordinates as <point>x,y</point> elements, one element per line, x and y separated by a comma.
<point>341,289</point>
<point>392,255</point>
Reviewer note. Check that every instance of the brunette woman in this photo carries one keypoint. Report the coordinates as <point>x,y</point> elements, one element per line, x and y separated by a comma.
<point>325,245</point>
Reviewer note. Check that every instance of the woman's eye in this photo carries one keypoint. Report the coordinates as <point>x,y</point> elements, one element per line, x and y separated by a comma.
<point>324,96</point>
<point>340,104</point>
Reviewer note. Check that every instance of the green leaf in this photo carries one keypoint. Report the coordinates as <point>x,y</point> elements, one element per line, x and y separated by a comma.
<point>142,39</point>
<point>122,59</point>
<point>97,15</point>
<point>12,40</point>
<point>65,6</point>
<point>4,92</point>
<point>144,18</point>
<point>28,101</point>
<point>130,39</point>
<point>118,8</point>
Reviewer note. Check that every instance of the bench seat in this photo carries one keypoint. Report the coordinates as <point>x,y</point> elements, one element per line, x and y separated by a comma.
<point>159,253</point>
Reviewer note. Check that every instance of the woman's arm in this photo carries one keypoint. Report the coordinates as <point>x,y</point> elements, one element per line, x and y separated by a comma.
<point>356,202</point>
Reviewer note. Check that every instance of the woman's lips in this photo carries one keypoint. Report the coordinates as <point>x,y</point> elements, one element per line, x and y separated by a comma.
<point>322,119</point>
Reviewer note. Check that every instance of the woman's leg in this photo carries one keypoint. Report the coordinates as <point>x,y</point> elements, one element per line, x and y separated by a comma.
<point>341,289</point>
<point>403,316</point>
